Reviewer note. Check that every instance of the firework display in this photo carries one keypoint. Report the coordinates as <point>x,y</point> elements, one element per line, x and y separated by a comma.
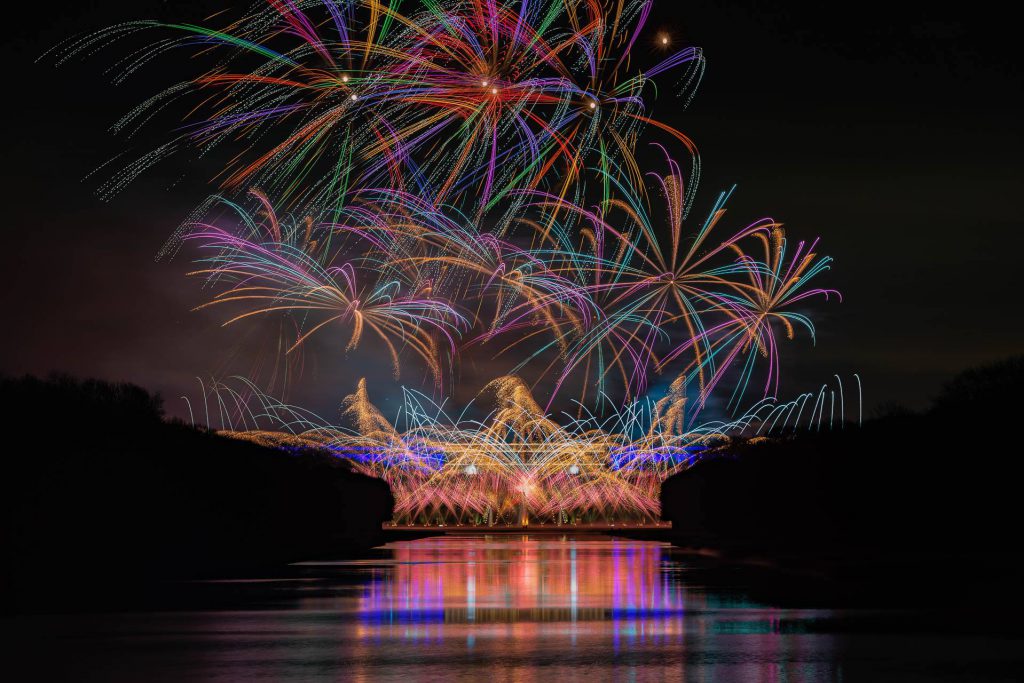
<point>453,175</point>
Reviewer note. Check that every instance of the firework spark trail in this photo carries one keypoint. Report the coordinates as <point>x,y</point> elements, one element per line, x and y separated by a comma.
<point>276,276</point>
<point>652,298</point>
<point>461,102</point>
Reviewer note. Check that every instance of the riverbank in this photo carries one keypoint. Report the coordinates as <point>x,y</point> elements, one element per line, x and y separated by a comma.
<point>542,528</point>
<point>895,511</point>
<point>106,491</point>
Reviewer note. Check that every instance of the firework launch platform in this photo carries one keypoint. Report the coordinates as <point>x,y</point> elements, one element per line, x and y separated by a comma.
<point>456,529</point>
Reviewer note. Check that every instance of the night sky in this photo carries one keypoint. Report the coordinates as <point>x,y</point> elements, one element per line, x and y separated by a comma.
<point>892,131</point>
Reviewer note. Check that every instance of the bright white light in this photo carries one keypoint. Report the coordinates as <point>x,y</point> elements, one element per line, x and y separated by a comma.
<point>484,83</point>
<point>574,469</point>
<point>593,105</point>
<point>354,97</point>
<point>494,91</point>
<point>470,469</point>
<point>664,40</point>
<point>344,79</point>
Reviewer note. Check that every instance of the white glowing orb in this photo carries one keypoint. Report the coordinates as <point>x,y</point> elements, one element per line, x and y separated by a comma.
<point>574,469</point>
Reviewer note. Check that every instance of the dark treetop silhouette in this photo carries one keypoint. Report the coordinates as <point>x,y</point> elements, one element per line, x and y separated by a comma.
<point>907,503</point>
<point>104,487</point>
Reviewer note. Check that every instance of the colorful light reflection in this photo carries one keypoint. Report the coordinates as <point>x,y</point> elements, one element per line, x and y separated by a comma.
<point>597,585</point>
<point>543,607</point>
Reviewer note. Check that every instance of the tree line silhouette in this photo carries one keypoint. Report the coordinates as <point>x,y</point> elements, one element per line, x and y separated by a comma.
<point>97,484</point>
<point>905,502</point>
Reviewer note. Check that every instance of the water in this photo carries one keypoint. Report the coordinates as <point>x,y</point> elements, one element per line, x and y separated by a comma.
<point>501,608</point>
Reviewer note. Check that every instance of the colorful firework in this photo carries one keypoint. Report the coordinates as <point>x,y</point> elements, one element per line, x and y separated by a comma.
<point>278,272</point>
<point>656,292</point>
<point>622,300</point>
<point>463,174</point>
<point>460,102</point>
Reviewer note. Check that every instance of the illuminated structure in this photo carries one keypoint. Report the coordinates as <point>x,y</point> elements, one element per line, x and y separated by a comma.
<point>517,467</point>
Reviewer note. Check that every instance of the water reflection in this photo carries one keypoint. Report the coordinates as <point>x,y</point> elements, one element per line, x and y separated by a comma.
<point>501,608</point>
<point>446,582</point>
<point>536,608</point>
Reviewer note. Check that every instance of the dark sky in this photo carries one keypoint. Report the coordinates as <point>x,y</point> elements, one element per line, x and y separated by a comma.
<point>891,130</point>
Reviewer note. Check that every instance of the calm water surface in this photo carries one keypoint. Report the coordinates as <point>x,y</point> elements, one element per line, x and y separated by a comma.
<point>501,608</point>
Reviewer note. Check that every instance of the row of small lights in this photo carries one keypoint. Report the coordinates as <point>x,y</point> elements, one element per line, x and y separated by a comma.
<point>472,469</point>
<point>494,91</point>
<point>540,524</point>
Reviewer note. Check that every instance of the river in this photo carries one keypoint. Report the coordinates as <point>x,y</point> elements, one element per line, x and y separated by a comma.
<point>499,608</point>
